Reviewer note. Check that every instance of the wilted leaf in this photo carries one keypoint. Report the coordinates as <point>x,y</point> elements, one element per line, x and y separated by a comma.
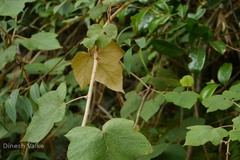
<point>201,134</point>
<point>51,110</point>
<point>117,140</point>
<point>132,103</point>
<point>184,99</point>
<point>109,70</point>
<point>12,7</point>
<point>41,41</point>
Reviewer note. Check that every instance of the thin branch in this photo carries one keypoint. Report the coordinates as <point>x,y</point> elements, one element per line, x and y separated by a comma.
<point>90,90</point>
<point>75,99</point>
<point>105,111</point>
<point>116,13</point>
<point>141,106</point>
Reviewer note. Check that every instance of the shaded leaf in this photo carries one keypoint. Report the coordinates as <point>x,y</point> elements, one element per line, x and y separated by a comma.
<point>7,56</point>
<point>224,73</point>
<point>35,92</point>
<point>109,70</point>
<point>41,41</point>
<point>162,19</point>
<point>151,106</point>
<point>127,59</point>
<point>10,105</point>
<point>199,13</point>
<point>219,46</point>
<point>198,57</point>
<point>132,103</point>
<point>201,134</point>
<point>117,140</point>
<point>12,7</point>
<point>25,104</point>
<point>166,48</point>
<point>182,10</point>
<point>184,99</point>
<point>51,110</point>
<point>187,81</point>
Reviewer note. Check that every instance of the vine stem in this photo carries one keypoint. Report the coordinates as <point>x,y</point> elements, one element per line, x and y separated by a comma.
<point>90,90</point>
<point>141,107</point>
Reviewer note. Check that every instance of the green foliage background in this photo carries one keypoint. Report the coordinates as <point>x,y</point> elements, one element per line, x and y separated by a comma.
<point>180,78</point>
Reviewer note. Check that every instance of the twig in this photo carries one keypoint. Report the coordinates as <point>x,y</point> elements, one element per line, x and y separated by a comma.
<point>105,111</point>
<point>141,106</point>
<point>75,99</point>
<point>116,13</point>
<point>90,90</point>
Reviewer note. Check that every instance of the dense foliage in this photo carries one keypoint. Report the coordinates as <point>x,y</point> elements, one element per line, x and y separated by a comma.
<point>118,79</point>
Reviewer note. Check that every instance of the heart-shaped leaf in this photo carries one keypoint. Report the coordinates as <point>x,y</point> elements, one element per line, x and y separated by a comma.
<point>117,140</point>
<point>184,99</point>
<point>109,70</point>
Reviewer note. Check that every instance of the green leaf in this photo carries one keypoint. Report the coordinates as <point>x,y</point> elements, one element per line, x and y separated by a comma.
<point>35,92</point>
<point>208,90</point>
<point>151,106</point>
<point>198,57</point>
<point>219,46</point>
<point>157,150</point>
<point>117,140</point>
<point>112,2</point>
<point>141,42</point>
<point>161,19</point>
<point>235,133</point>
<point>224,73</point>
<point>216,102</point>
<point>201,134</point>
<point>88,42</point>
<point>51,110</point>
<point>141,20</point>
<point>24,103</point>
<point>184,99</point>
<point>111,30</point>
<point>182,10</point>
<point>41,41</point>
<point>187,81</point>
<point>166,48</point>
<point>199,13</point>
<point>132,103</point>
<point>10,105</point>
<point>164,6</point>
<point>97,11</point>
<point>12,7</point>
<point>127,59</point>
<point>7,56</point>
